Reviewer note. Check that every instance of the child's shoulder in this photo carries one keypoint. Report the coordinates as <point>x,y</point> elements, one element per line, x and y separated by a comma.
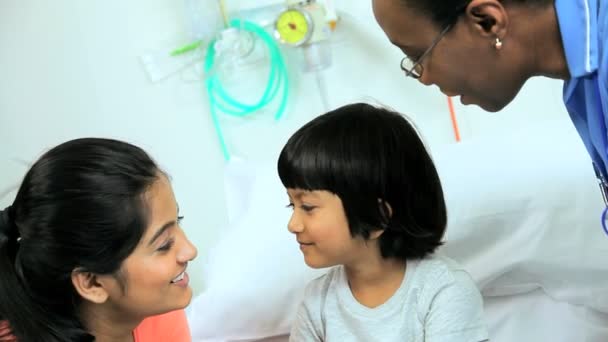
<point>319,288</point>
<point>321,284</point>
<point>437,272</point>
<point>439,280</point>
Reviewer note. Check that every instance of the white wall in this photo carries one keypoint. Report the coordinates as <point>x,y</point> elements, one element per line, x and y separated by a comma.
<point>70,68</point>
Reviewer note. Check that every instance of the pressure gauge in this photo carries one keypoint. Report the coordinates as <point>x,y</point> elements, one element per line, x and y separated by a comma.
<point>294,27</point>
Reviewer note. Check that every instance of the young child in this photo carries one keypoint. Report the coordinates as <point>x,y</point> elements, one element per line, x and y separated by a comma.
<point>367,200</point>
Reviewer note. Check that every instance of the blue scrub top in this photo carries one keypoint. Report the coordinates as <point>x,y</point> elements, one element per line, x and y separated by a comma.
<point>584,29</point>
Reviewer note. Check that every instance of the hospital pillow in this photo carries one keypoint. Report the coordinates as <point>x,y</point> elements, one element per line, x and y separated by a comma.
<point>255,275</point>
<point>523,215</point>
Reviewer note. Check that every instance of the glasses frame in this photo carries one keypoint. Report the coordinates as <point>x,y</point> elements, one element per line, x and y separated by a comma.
<point>416,70</point>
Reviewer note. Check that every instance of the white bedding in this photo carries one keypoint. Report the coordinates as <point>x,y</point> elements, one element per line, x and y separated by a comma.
<point>523,219</point>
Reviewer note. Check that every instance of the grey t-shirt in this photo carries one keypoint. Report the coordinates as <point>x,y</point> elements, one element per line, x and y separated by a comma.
<point>436,302</point>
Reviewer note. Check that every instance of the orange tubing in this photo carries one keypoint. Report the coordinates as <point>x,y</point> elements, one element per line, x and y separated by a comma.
<point>453,118</point>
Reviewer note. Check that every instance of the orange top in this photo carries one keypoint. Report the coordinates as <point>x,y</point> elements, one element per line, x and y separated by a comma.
<point>171,326</point>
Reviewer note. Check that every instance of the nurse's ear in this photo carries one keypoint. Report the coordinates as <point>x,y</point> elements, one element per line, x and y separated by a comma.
<point>488,18</point>
<point>90,286</point>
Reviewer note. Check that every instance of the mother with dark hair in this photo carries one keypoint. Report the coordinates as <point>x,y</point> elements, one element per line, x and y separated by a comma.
<point>485,50</point>
<point>91,249</point>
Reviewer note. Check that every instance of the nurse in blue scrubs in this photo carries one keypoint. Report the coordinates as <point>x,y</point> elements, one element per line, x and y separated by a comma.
<point>485,50</point>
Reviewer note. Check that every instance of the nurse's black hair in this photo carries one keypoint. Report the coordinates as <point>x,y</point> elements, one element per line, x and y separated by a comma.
<point>374,160</point>
<point>80,208</point>
<point>446,12</point>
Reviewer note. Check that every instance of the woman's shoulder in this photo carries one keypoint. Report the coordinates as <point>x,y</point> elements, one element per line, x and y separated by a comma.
<point>171,326</point>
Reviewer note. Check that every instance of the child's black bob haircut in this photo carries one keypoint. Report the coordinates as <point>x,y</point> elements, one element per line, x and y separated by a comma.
<point>369,157</point>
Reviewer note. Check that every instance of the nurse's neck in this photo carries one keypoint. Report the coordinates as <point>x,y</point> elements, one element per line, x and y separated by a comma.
<point>107,324</point>
<point>541,40</point>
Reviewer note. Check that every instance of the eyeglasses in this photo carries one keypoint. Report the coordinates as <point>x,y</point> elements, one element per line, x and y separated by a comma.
<point>414,69</point>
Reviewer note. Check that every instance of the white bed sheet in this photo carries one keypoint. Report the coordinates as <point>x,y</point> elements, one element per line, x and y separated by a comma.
<point>536,317</point>
<point>523,219</point>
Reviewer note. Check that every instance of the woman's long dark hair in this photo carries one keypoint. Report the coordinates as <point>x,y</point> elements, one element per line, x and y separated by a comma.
<point>80,206</point>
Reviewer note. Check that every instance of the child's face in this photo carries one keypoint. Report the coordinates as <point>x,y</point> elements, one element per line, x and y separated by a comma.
<point>321,229</point>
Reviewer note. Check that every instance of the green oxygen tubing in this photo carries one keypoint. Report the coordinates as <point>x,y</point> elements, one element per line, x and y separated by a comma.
<point>221,101</point>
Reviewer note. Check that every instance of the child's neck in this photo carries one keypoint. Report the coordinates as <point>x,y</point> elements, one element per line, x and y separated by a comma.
<point>375,280</point>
